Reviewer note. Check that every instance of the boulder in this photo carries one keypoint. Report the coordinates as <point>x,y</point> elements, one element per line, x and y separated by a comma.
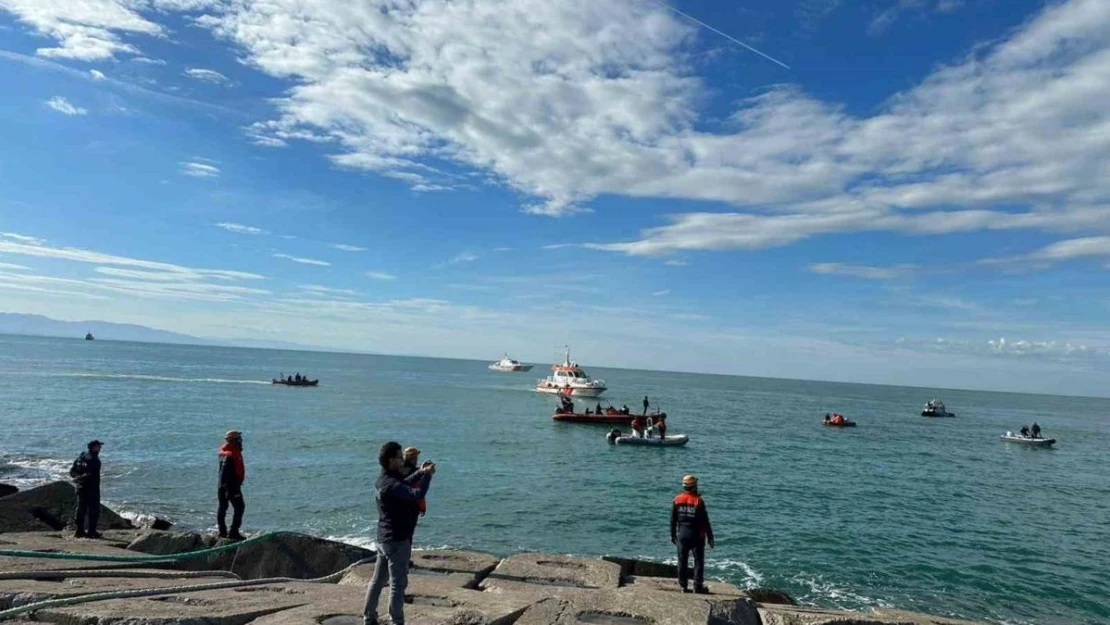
<point>665,584</point>
<point>643,568</point>
<point>49,507</point>
<point>771,596</point>
<point>628,607</point>
<point>8,489</point>
<point>552,570</point>
<point>281,555</point>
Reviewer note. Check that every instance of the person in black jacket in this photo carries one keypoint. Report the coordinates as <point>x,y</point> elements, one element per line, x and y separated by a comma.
<point>690,530</point>
<point>86,479</point>
<point>398,500</point>
<point>229,489</point>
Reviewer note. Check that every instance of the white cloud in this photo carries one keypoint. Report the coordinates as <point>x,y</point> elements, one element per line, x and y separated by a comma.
<point>97,74</point>
<point>198,169</point>
<point>64,107</point>
<point>463,257</point>
<point>206,75</point>
<point>1053,350</point>
<point>327,290</point>
<point>13,267</point>
<point>661,293</point>
<point>303,261</point>
<point>859,271</point>
<point>240,228</point>
<point>22,238</point>
<point>380,275</point>
<point>675,263</point>
<point>1070,249</point>
<point>98,258</point>
<point>87,30</point>
<point>347,248</point>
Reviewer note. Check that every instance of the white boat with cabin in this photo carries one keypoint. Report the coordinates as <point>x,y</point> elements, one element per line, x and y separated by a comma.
<point>569,379</point>
<point>509,365</point>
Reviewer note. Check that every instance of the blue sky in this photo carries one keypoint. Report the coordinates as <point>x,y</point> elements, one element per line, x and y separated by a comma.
<point>921,196</point>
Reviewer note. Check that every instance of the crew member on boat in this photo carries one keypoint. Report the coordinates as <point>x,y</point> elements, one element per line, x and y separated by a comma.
<point>1036,430</point>
<point>661,425</point>
<point>638,426</point>
<point>1025,431</point>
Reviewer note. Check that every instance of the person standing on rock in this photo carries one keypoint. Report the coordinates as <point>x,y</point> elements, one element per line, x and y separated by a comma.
<point>690,530</point>
<point>86,479</point>
<point>233,472</point>
<point>397,498</point>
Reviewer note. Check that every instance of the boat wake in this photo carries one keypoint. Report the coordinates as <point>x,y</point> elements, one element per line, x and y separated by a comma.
<point>161,378</point>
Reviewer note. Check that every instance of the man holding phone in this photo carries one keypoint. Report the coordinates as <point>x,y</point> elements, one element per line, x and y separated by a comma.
<point>398,498</point>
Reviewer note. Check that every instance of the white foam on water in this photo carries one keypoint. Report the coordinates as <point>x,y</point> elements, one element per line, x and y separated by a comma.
<point>158,378</point>
<point>24,472</point>
<point>752,577</point>
<point>356,541</point>
<point>822,589</point>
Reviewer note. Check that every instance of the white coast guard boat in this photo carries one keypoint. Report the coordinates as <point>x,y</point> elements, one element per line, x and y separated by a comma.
<point>569,379</point>
<point>509,365</point>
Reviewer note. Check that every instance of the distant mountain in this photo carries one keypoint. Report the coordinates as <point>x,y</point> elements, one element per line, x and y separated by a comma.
<point>38,325</point>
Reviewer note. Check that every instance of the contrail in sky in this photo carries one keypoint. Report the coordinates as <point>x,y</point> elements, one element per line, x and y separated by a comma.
<point>725,35</point>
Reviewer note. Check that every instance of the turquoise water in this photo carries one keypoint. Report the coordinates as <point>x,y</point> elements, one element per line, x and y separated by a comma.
<point>935,515</point>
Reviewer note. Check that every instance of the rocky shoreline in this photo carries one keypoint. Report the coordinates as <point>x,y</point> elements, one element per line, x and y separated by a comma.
<point>260,583</point>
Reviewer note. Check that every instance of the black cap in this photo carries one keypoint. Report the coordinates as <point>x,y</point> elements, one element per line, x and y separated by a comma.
<point>94,442</point>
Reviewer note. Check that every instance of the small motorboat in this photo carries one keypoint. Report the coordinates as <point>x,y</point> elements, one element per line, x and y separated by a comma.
<point>673,440</point>
<point>837,420</point>
<point>294,382</point>
<point>1010,437</point>
<point>935,408</point>
<point>508,365</point>
<point>89,336</point>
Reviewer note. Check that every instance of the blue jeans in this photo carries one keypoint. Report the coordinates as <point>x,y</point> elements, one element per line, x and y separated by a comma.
<point>393,565</point>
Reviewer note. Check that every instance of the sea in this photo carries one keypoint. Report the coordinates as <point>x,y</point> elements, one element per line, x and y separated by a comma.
<point>933,515</point>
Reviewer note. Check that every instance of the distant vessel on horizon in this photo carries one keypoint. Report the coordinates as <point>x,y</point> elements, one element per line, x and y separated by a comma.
<point>88,336</point>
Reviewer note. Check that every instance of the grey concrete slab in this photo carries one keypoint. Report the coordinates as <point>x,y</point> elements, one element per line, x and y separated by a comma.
<point>554,570</point>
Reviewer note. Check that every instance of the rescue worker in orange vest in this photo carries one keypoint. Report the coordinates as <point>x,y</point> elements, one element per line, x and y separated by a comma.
<point>690,531</point>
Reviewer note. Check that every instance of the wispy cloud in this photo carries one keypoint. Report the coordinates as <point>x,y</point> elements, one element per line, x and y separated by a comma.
<point>1070,249</point>
<point>463,257</point>
<point>197,168</point>
<point>379,275</point>
<point>63,106</point>
<point>13,267</point>
<point>22,238</point>
<point>861,271</point>
<point>346,248</point>
<point>662,293</point>
<point>98,258</point>
<point>302,260</point>
<point>97,74</point>
<point>675,263</point>
<point>327,290</point>
<point>206,75</point>
<point>240,228</point>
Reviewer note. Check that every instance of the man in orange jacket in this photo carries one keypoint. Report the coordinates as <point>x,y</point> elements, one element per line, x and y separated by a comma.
<point>690,530</point>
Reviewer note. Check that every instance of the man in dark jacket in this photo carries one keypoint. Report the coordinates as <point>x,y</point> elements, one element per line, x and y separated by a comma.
<point>690,530</point>
<point>86,479</point>
<point>233,472</point>
<point>398,499</point>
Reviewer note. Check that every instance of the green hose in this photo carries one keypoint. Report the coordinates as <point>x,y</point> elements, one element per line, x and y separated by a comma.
<point>188,555</point>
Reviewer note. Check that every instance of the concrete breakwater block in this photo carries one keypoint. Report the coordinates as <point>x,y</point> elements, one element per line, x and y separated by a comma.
<point>17,592</point>
<point>631,607</point>
<point>282,555</point>
<point>211,607</point>
<point>798,615</point>
<point>664,584</point>
<point>643,568</point>
<point>49,507</point>
<point>113,544</point>
<point>552,570</point>
<point>363,573</point>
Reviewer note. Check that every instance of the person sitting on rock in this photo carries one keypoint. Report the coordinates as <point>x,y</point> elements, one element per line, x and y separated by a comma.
<point>690,531</point>
<point>86,479</point>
